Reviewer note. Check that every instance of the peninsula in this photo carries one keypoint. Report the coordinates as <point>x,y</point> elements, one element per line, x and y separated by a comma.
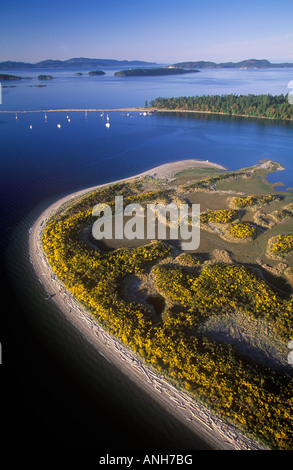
<point>259,106</point>
<point>204,332</point>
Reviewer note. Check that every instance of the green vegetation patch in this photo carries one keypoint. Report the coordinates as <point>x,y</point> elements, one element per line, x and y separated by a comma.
<point>194,174</point>
<point>265,106</point>
<point>209,183</point>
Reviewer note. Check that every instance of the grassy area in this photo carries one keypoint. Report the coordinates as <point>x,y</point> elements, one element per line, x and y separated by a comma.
<point>255,184</point>
<point>194,174</point>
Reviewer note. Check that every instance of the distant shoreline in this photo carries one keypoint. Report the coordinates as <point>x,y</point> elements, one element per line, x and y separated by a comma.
<point>204,424</point>
<point>141,110</point>
<point>83,62</point>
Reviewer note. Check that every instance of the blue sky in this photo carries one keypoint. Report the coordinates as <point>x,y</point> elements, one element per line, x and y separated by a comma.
<point>165,31</point>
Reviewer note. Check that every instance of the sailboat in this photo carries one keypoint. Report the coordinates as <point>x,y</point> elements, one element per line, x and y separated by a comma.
<point>107,123</point>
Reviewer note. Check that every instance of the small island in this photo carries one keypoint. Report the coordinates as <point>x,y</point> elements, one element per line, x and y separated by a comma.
<point>207,329</point>
<point>45,77</point>
<point>4,76</point>
<point>153,72</point>
<point>96,72</point>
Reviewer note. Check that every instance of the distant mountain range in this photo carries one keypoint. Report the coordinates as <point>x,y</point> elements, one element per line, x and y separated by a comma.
<point>83,62</point>
<point>244,64</point>
<point>75,62</point>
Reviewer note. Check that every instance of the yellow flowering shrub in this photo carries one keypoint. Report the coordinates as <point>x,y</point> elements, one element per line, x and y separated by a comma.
<point>282,244</point>
<point>242,230</point>
<point>218,288</point>
<point>218,216</point>
<point>250,201</point>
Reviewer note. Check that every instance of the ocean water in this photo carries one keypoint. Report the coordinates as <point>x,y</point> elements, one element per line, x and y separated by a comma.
<point>66,90</point>
<point>71,397</point>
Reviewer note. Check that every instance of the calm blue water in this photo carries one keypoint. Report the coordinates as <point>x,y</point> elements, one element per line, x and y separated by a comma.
<point>67,90</point>
<point>50,371</point>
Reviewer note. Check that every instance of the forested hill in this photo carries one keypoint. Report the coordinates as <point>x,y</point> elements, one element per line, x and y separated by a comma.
<point>74,62</point>
<point>267,106</point>
<point>244,64</point>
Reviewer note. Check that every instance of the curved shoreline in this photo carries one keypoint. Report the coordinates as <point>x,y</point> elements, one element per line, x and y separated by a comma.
<point>196,416</point>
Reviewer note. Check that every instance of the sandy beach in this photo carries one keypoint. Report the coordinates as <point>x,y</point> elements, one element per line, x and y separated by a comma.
<point>197,417</point>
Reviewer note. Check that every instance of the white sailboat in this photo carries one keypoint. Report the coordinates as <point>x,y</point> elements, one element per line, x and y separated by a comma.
<point>107,123</point>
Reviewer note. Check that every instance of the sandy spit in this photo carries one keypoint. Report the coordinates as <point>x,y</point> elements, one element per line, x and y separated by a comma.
<point>197,417</point>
